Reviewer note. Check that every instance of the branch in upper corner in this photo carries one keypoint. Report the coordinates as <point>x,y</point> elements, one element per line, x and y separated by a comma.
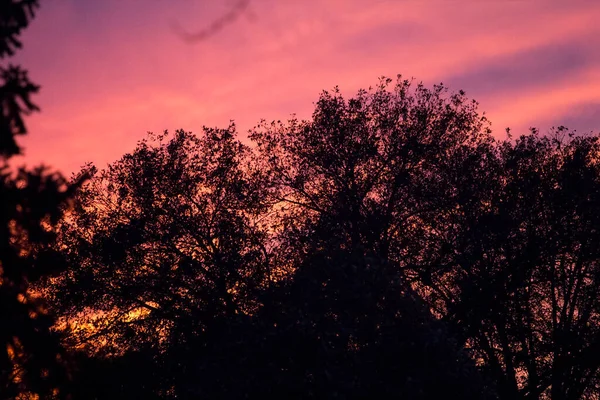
<point>216,26</point>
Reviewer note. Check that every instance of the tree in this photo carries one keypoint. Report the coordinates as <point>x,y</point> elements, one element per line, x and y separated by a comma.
<point>16,89</point>
<point>275,271</point>
<point>494,236</point>
<point>371,166</point>
<point>519,281</point>
<point>351,183</point>
<point>170,233</point>
<point>32,362</point>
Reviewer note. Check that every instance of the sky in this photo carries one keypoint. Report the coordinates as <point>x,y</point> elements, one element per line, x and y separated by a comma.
<point>112,70</point>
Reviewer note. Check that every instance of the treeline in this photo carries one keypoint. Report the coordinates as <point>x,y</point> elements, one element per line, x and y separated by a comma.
<point>388,247</point>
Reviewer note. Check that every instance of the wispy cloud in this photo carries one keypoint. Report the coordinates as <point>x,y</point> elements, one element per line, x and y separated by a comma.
<point>112,70</point>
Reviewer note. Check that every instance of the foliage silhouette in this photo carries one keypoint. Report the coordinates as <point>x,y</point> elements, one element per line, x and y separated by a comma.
<point>169,231</point>
<point>387,247</point>
<point>15,15</point>
<point>519,282</point>
<point>15,88</point>
<point>274,271</point>
<point>32,361</point>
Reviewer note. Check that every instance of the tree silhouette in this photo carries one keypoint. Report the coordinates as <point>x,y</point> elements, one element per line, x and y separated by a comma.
<point>16,89</point>
<point>170,232</point>
<point>274,272</point>
<point>351,183</point>
<point>370,167</point>
<point>519,281</point>
<point>32,362</point>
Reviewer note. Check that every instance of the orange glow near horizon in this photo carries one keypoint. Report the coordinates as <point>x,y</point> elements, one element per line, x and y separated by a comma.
<point>112,70</point>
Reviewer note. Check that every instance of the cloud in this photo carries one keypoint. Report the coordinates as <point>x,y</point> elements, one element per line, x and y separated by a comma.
<point>584,118</point>
<point>113,70</point>
<point>545,66</point>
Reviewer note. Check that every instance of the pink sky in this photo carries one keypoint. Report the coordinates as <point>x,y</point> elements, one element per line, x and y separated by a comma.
<point>111,70</point>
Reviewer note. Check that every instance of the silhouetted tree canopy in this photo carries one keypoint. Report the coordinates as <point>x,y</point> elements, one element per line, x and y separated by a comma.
<point>171,232</point>
<point>386,247</point>
<point>277,269</point>
<point>32,361</point>
<point>15,87</point>
<point>15,15</point>
<point>518,283</point>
